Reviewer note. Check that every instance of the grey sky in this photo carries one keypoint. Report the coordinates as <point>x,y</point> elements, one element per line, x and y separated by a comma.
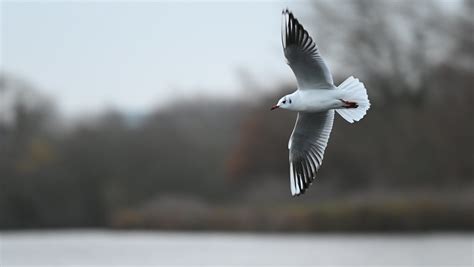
<point>137,55</point>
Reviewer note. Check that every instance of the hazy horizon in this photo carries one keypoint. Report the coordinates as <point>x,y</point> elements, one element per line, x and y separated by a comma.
<point>142,55</point>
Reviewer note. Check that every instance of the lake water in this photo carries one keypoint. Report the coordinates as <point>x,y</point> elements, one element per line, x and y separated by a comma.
<point>99,248</point>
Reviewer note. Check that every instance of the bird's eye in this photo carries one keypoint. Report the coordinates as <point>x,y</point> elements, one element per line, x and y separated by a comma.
<point>284,102</point>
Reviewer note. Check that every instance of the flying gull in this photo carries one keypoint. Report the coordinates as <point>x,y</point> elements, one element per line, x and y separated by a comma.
<point>315,100</point>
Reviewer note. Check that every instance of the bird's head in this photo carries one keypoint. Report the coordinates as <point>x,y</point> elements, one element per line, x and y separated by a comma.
<point>284,102</point>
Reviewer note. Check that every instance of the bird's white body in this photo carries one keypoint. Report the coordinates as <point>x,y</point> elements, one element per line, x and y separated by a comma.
<point>316,100</point>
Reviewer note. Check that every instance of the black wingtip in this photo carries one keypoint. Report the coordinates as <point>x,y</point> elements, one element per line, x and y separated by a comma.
<point>287,11</point>
<point>299,194</point>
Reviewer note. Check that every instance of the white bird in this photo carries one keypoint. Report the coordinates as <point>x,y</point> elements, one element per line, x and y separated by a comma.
<point>315,100</point>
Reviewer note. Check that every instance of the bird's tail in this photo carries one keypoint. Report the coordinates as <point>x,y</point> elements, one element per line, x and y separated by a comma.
<point>355,96</point>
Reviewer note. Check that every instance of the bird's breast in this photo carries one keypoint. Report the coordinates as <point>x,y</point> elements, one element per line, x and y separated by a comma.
<point>319,100</point>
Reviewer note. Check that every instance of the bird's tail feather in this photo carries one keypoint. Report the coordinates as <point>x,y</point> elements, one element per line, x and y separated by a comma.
<point>354,91</point>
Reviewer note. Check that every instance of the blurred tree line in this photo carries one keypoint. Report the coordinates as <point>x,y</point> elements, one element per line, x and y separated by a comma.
<point>76,175</point>
<point>224,165</point>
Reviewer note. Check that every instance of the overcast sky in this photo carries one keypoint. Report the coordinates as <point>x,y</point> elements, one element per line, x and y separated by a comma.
<point>137,55</point>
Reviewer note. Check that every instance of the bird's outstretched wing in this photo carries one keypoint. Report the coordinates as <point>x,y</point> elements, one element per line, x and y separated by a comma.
<point>307,144</point>
<point>303,55</point>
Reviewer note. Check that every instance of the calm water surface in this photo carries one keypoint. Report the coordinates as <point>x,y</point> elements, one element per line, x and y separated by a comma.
<point>99,248</point>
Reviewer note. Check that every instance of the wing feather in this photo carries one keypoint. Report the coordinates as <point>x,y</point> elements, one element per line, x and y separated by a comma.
<point>303,55</point>
<point>307,144</point>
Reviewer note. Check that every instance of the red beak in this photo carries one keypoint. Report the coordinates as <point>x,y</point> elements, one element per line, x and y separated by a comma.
<point>274,107</point>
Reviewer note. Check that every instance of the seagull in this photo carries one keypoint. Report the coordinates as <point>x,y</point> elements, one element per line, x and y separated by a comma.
<point>315,99</point>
